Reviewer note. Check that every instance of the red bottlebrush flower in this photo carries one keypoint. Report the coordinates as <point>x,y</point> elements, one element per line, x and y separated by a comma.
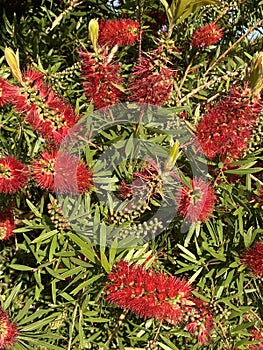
<point>119,32</point>
<point>227,127</point>
<point>196,203</point>
<point>253,259</point>
<point>13,175</point>
<point>7,225</point>
<point>62,172</point>
<point>43,170</point>
<point>202,321</point>
<point>256,334</point>
<point>43,109</point>
<point>84,178</point>
<point>8,331</point>
<point>102,81</point>
<point>208,35</point>
<point>151,82</point>
<point>148,293</point>
<point>7,92</point>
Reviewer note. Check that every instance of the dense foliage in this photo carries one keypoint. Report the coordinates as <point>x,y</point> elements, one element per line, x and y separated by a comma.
<point>104,247</point>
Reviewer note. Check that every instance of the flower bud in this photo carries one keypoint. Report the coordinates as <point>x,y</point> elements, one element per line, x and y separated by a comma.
<point>94,32</point>
<point>13,62</point>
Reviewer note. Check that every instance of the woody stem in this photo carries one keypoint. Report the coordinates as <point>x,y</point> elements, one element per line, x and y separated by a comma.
<point>158,330</point>
<point>117,326</point>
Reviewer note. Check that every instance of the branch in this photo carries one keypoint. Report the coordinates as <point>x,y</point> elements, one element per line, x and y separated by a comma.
<point>140,4</point>
<point>234,45</point>
<point>207,84</point>
<point>58,19</point>
<point>117,326</point>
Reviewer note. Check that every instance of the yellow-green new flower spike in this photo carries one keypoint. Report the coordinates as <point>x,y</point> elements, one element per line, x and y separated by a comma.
<point>255,77</point>
<point>94,32</point>
<point>13,62</point>
<point>173,156</point>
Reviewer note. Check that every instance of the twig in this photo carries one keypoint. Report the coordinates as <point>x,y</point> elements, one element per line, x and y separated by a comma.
<point>158,331</point>
<point>212,98</point>
<point>58,19</point>
<point>234,45</point>
<point>139,121</point>
<point>117,326</point>
<point>207,84</point>
<point>73,325</point>
<point>256,179</point>
<point>184,78</point>
<point>187,70</point>
<point>222,15</point>
<point>224,334</point>
<point>140,3</point>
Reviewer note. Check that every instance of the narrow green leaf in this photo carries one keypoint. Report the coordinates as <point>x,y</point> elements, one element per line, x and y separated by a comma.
<point>104,262</point>
<point>12,296</point>
<point>44,236</point>
<point>21,267</point>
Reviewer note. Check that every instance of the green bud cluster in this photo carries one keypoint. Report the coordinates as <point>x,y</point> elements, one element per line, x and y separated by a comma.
<point>59,80</point>
<point>152,345</point>
<point>45,113</point>
<point>255,142</point>
<point>57,216</point>
<point>142,229</point>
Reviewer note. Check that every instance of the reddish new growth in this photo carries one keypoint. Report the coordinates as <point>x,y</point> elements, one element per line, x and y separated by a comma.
<point>101,79</point>
<point>196,203</point>
<point>201,321</point>
<point>62,172</point>
<point>253,259</point>
<point>148,293</point>
<point>208,35</point>
<point>146,183</point>
<point>7,92</point>
<point>43,109</point>
<point>227,127</point>
<point>13,175</point>
<point>8,331</point>
<point>119,32</point>
<point>7,224</point>
<point>151,82</point>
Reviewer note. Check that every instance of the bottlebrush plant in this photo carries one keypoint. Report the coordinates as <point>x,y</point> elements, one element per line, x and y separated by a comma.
<point>131,175</point>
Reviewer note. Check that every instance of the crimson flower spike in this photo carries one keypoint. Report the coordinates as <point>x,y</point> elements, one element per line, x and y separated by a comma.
<point>226,129</point>
<point>121,32</point>
<point>152,294</point>
<point>253,259</point>
<point>102,81</point>
<point>8,331</point>
<point>148,293</point>
<point>151,81</point>
<point>7,224</point>
<point>13,175</point>
<point>62,172</point>
<point>196,202</point>
<point>208,35</point>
